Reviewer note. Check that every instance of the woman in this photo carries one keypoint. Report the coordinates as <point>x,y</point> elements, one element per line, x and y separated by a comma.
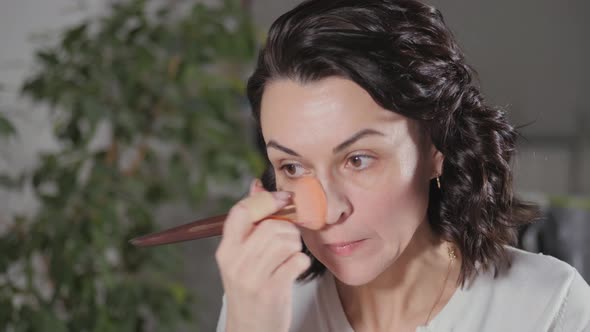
<point>375,100</point>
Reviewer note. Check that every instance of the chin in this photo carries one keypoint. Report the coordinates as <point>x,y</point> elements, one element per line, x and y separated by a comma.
<point>353,274</point>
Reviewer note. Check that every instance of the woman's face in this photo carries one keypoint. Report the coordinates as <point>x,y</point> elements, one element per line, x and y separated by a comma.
<point>374,164</point>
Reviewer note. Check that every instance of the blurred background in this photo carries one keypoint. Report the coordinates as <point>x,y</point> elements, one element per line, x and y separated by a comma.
<point>118,118</point>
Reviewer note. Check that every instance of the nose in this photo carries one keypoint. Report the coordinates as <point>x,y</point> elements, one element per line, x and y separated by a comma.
<point>338,204</point>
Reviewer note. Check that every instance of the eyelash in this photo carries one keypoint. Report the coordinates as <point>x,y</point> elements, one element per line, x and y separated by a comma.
<point>283,167</point>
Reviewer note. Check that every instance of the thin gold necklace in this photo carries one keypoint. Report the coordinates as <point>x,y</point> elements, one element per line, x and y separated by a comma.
<point>452,257</point>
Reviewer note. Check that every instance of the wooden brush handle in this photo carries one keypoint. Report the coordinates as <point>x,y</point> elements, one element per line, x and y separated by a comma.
<point>203,228</point>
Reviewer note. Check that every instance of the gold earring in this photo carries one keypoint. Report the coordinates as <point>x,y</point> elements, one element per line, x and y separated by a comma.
<point>451,252</point>
<point>438,182</point>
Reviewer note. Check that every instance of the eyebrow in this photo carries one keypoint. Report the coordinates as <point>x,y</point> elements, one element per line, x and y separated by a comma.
<point>361,134</point>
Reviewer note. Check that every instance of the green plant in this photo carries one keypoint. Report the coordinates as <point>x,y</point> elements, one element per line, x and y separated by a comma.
<point>163,89</point>
<point>6,127</point>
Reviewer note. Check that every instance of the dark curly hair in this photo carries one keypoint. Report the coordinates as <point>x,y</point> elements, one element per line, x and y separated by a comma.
<point>402,53</point>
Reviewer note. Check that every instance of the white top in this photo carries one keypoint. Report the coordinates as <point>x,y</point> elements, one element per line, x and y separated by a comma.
<point>539,293</point>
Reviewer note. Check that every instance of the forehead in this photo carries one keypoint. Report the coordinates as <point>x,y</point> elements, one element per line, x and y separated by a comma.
<point>332,107</point>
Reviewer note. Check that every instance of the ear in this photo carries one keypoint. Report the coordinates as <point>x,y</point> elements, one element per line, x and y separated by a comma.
<point>437,161</point>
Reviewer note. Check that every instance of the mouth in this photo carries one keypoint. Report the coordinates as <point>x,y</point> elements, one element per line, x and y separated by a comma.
<point>345,248</point>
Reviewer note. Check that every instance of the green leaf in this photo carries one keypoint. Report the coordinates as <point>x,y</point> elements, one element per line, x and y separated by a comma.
<point>6,309</point>
<point>10,182</point>
<point>45,320</point>
<point>6,128</point>
<point>73,36</point>
<point>198,191</point>
<point>47,58</point>
<point>179,292</point>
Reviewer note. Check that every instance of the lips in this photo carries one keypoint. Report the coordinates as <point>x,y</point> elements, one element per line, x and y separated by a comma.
<point>345,248</point>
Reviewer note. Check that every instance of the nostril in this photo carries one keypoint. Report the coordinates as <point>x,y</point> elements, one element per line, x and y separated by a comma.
<point>336,220</point>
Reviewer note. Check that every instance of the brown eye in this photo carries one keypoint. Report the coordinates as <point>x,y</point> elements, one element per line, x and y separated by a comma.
<point>360,162</point>
<point>356,161</point>
<point>292,170</point>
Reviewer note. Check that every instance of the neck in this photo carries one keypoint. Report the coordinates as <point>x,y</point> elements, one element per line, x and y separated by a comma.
<point>402,297</point>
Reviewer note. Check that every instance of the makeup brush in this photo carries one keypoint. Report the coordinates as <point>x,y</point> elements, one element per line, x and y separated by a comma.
<point>309,210</point>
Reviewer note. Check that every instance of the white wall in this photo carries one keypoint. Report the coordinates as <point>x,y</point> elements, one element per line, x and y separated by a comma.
<point>532,56</point>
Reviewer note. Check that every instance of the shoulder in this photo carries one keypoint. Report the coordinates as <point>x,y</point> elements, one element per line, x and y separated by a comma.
<point>558,281</point>
<point>538,270</point>
<point>547,292</point>
<point>541,274</point>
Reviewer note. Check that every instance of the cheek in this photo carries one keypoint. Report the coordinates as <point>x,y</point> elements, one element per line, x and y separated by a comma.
<point>395,205</point>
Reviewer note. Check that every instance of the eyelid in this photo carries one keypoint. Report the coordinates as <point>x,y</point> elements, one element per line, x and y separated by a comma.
<point>284,162</point>
<point>360,154</point>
